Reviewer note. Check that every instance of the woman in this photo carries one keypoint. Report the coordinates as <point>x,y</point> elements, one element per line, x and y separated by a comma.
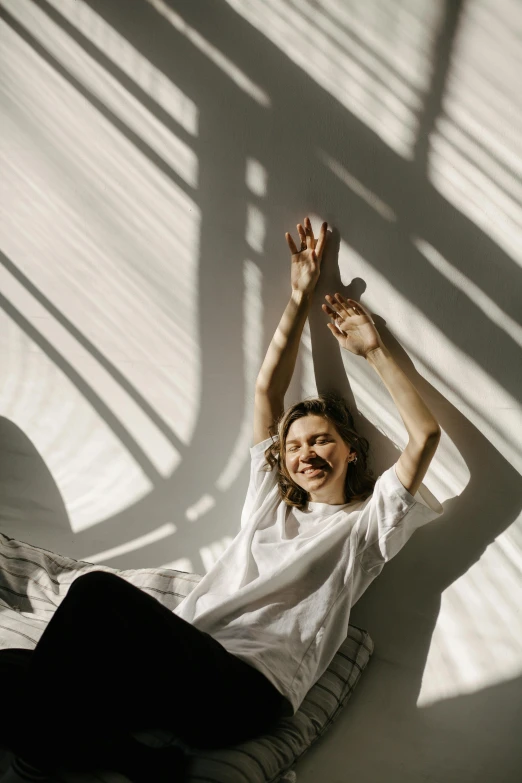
<point>244,647</point>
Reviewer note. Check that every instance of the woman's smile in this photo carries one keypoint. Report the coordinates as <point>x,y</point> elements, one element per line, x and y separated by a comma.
<point>311,472</point>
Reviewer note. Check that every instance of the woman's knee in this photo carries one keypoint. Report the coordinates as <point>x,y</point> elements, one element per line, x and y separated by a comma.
<point>96,581</point>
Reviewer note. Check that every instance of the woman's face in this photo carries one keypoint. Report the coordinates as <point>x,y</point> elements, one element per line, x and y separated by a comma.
<point>314,443</point>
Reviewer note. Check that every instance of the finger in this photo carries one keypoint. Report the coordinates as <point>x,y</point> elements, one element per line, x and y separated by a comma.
<point>302,236</point>
<point>337,306</point>
<point>332,314</point>
<point>335,331</point>
<point>342,301</point>
<point>322,240</point>
<point>309,234</point>
<point>291,244</point>
<point>349,304</point>
<point>331,311</point>
<point>358,307</point>
<point>362,310</point>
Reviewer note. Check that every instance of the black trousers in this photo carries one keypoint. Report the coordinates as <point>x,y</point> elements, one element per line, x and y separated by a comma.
<point>113,660</point>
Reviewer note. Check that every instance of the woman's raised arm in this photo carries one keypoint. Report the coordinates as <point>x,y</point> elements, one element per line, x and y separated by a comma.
<point>278,367</point>
<point>354,329</point>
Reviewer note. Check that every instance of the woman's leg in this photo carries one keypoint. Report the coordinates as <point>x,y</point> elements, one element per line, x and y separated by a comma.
<point>53,710</point>
<point>14,665</point>
<point>113,660</point>
<point>121,752</point>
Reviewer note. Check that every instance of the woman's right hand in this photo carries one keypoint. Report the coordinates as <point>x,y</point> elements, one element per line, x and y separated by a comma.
<point>306,262</point>
<point>353,327</point>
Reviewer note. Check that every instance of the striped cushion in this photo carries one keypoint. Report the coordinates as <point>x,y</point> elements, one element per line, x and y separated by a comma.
<point>33,582</point>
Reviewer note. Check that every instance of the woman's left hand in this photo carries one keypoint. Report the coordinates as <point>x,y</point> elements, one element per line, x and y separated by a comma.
<point>353,325</point>
<point>306,263</point>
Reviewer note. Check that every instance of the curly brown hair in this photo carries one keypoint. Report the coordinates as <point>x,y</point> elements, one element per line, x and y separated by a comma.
<point>360,480</point>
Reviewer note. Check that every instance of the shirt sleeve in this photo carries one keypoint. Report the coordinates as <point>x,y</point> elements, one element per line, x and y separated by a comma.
<point>261,480</point>
<point>390,517</point>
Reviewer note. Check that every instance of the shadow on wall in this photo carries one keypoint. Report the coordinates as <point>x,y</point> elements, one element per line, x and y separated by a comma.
<point>234,128</point>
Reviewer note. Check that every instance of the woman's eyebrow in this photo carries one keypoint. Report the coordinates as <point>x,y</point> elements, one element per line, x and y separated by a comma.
<point>317,435</point>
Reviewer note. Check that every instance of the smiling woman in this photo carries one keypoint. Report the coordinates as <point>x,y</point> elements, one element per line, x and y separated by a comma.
<point>248,642</point>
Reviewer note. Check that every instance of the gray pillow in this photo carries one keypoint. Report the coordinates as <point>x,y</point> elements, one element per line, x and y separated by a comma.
<point>33,582</point>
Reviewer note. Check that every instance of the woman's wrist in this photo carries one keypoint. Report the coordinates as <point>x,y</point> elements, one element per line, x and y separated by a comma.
<point>301,296</point>
<point>376,356</point>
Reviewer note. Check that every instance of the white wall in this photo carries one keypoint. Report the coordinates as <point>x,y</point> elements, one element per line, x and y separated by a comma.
<point>154,154</point>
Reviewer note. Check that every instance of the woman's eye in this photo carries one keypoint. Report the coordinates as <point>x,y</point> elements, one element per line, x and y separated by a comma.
<point>319,443</point>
